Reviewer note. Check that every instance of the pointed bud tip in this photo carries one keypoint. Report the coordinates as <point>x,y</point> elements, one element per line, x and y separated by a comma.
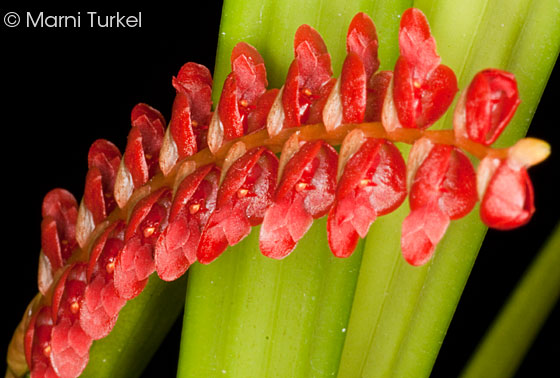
<point>529,151</point>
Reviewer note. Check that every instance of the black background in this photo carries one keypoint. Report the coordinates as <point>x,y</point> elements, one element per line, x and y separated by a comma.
<point>64,88</point>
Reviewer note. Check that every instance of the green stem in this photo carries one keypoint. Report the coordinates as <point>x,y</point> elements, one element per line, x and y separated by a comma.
<point>400,314</point>
<point>512,333</point>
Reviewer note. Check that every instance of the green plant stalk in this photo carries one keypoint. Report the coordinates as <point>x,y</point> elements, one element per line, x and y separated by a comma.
<point>247,315</point>
<point>510,336</point>
<point>398,330</point>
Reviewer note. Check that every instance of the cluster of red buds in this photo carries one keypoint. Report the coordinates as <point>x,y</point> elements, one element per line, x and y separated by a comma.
<point>185,194</point>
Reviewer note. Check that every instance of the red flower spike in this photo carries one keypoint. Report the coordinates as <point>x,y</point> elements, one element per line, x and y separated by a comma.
<point>443,188</point>
<point>487,106</point>
<point>58,233</point>
<point>373,183</point>
<point>135,261</point>
<point>194,201</point>
<point>309,81</point>
<point>508,199</point>
<point>140,160</point>
<point>244,195</point>
<point>241,91</point>
<point>190,115</point>
<point>423,89</point>
<point>101,303</point>
<point>69,343</point>
<point>305,192</point>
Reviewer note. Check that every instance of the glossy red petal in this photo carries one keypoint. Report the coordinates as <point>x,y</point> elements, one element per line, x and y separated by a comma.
<point>242,88</point>
<point>423,89</point>
<point>69,343</point>
<point>245,194</point>
<point>150,211</point>
<point>135,158</point>
<point>228,225</point>
<point>348,220</point>
<point>422,230</point>
<point>306,191</point>
<point>175,249</point>
<point>59,238</point>
<point>94,319</point>
<point>145,114</point>
<point>417,44</point>
<point>362,40</point>
<point>194,201</point>
<point>94,195</point>
<point>231,116</point>
<point>127,280</point>
<point>70,349</point>
<point>191,108</point>
<point>285,222</point>
<point>144,143</point>
<point>38,341</point>
<point>509,200</point>
<point>102,303</point>
<point>307,77</point>
<point>353,89</point>
<point>135,262</point>
<point>251,181</point>
<point>445,177</point>
<point>250,72</point>
<point>422,101</point>
<point>105,157</point>
<point>373,183</point>
<point>491,101</point>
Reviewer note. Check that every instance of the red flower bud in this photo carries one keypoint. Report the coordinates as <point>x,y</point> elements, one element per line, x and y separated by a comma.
<point>487,106</point>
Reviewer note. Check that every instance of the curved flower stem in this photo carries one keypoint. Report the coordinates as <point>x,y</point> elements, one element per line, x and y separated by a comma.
<point>510,336</point>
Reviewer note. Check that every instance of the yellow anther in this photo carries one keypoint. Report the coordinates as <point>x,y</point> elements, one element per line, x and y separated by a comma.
<point>244,103</point>
<point>193,209</point>
<point>110,267</point>
<point>307,92</point>
<point>416,84</point>
<point>242,193</point>
<point>148,156</point>
<point>300,186</point>
<point>149,231</point>
<point>364,182</point>
<point>194,123</point>
<point>47,350</point>
<point>74,307</point>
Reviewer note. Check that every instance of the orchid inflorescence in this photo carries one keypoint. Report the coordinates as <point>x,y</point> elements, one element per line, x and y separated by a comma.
<point>185,194</point>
